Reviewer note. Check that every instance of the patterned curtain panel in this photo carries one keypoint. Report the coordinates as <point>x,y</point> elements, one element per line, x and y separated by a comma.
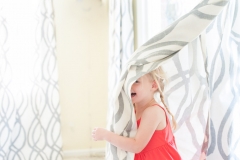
<point>29,96</point>
<point>200,53</point>
<point>120,39</point>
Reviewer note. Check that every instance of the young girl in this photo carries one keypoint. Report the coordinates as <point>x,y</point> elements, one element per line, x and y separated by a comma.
<point>154,139</point>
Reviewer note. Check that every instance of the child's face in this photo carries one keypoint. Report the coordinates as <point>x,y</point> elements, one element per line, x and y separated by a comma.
<point>142,90</point>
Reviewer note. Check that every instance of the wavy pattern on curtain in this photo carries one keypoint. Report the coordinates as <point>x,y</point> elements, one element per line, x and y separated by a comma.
<point>29,96</point>
<point>200,53</point>
<point>120,39</point>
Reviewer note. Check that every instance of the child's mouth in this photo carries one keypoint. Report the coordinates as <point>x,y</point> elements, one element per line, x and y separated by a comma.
<point>133,94</point>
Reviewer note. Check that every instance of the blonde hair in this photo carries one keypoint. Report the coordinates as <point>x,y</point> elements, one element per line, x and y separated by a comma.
<point>160,78</point>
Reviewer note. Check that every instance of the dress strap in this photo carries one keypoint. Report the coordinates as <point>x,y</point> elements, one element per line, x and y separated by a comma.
<point>164,111</point>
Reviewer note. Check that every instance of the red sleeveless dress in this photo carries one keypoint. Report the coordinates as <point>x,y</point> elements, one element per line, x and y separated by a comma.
<point>161,146</point>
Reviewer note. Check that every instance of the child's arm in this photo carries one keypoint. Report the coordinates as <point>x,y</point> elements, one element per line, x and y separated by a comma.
<point>151,118</point>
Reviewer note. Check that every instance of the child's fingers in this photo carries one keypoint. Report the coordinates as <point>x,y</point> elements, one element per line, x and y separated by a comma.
<point>94,136</point>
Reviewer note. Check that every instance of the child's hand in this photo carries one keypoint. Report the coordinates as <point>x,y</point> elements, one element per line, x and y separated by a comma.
<point>98,134</point>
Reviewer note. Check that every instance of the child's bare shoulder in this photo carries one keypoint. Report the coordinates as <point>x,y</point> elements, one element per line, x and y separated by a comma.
<point>154,110</point>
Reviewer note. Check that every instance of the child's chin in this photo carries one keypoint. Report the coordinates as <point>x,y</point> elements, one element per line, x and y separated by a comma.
<point>133,101</point>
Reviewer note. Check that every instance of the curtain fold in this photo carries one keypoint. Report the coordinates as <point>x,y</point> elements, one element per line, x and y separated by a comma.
<point>120,37</point>
<point>121,42</point>
<point>29,92</point>
<point>200,53</point>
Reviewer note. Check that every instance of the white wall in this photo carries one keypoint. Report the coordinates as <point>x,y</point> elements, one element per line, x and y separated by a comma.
<point>82,55</point>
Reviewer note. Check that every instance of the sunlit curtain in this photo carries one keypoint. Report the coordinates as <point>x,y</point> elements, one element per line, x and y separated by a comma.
<point>120,38</point>
<point>121,44</point>
<point>29,93</point>
<point>220,113</point>
<point>200,53</point>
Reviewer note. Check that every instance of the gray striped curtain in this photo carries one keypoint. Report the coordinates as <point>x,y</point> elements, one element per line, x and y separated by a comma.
<point>200,53</point>
<point>29,93</point>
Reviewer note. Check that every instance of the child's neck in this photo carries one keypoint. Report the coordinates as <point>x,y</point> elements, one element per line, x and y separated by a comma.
<point>139,108</point>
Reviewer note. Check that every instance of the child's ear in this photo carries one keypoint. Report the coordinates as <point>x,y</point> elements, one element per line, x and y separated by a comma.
<point>154,85</point>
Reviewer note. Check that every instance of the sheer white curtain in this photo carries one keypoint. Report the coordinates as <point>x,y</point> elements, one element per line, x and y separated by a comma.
<point>29,96</point>
<point>121,42</point>
<point>151,17</point>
